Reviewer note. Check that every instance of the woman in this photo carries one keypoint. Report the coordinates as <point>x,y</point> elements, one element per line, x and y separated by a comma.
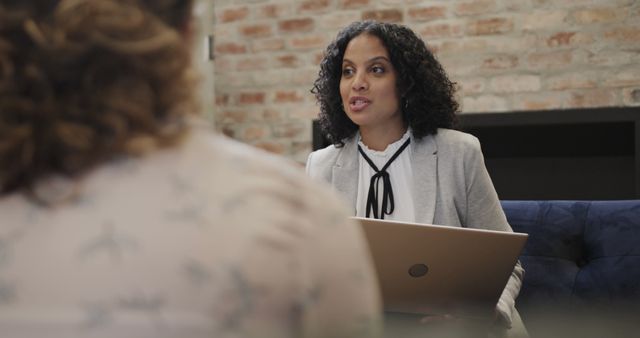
<point>388,107</point>
<point>122,218</point>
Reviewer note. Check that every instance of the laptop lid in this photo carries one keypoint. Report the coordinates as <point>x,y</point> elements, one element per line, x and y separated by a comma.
<point>432,269</point>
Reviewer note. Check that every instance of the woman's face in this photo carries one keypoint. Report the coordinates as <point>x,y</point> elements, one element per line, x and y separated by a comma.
<point>368,84</point>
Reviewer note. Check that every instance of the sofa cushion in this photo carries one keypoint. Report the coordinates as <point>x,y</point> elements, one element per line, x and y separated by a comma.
<point>578,252</point>
<point>582,267</point>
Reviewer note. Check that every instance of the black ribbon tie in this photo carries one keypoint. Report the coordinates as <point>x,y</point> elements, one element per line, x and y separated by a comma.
<point>387,190</point>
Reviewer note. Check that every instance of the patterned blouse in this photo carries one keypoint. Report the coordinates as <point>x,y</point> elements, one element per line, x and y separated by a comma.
<point>207,239</point>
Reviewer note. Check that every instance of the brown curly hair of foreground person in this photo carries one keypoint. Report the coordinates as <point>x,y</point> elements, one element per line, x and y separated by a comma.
<point>84,81</point>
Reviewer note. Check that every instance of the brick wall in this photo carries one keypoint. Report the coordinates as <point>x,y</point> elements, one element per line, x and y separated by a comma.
<point>504,54</point>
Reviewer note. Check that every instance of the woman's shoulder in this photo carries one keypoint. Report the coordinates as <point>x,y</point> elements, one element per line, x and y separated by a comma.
<point>458,147</point>
<point>329,155</point>
<point>326,153</point>
<point>446,141</point>
<point>455,138</point>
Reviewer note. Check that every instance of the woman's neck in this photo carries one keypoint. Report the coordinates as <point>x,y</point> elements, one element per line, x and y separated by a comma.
<point>379,138</point>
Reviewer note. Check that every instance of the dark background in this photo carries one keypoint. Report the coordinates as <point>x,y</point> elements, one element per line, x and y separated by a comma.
<point>577,154</point>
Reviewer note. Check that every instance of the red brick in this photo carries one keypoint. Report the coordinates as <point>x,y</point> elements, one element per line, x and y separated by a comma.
<point>224,63</point>
<point>271,115</point>
<point>486,103</point>
<point>222,99</point>
<point>460,66</point>
<point>500,62</point>
<point>289,130</point>
<point>288,60</point>
<point>519,45</point>
<point>296,25</point>
<point>471,85</point>
<point>562,39</point>
<point>567,3</point>
<point>572,81</point>
<point>543,20</point>
<point>515,83</point>
<point>230,48</point>
<point>597,15</point>
<point>231,116</point>
<point>475,7</point>
<point>536,105</point>
<point>427,13</point>
<point>272,77</point>
<point>234,14</point>
<point>383,15</point>
<point>251,98</point>
<point>433,48</point>
<point>305,110</point>
<point>591,98</point>
<point>256,31</point>
<point>337,20</point>
<point>313,5</point>
<point>464,46</point>
<point>304,76</point>
<point>251,63</point>
<point>350,4</point>
<point>540,101</point>
<point>253,133</point>
<point>490,26</point>
<point>441,30</point>
<point>623,35</point>
<point>267,45</point>
<point>550,60</point>
<point>308,42</point>
<point>290,96</point>
<point>610,57</point>
<point>233,78</point>
<point>623,77</point>
<point>273,11</point>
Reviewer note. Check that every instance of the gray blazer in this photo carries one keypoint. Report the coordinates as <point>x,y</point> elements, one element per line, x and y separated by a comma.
<point>452,187</point>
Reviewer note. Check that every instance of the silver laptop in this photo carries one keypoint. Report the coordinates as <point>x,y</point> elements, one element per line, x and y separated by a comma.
<point>435,270</point>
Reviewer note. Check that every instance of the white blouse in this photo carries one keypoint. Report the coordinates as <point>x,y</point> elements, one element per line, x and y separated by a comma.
<point>400,175</point>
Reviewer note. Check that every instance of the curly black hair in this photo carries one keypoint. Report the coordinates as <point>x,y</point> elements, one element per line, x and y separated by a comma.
<point>426,93</point>
<point>83,82</point>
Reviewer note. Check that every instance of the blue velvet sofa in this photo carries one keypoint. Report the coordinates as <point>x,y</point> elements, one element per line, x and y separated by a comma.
<point>582,263</point>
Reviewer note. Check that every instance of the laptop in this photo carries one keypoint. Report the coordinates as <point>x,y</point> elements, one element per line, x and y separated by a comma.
<point>435,270</point>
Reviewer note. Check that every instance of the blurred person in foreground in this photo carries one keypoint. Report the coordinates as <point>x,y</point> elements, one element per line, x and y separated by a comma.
<point>122,216</point>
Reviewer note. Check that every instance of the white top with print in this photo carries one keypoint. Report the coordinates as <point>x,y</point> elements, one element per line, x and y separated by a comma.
<point>208,239</point>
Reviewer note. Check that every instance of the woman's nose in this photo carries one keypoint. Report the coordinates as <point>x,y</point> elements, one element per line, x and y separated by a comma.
<point>360,82</point>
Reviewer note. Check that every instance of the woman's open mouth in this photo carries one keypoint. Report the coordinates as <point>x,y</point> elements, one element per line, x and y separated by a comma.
<point>358,103</point>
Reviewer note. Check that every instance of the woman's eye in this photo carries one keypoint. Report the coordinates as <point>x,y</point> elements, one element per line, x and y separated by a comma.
<point>347,71</point>
<point>377,69</point>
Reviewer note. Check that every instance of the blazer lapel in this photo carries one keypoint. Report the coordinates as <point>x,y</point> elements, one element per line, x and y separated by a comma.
<point>425,171</point>
<point>345,172</point>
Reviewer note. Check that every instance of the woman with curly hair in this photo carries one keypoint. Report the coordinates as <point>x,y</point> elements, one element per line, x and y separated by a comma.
<point>388,107</point>
<point>122,216</point>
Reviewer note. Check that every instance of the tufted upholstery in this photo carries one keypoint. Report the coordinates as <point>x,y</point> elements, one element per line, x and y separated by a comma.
<point>582,259</point>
